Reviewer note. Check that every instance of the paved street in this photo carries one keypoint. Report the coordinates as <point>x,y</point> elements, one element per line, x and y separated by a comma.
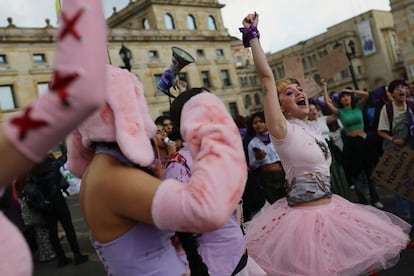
<point>405,267</point>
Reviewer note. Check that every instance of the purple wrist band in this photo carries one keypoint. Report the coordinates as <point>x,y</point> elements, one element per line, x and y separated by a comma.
<point>248,34</point>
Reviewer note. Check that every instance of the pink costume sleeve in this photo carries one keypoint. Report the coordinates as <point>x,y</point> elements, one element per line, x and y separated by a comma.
<point>219,171</point>
<point>78,85</point>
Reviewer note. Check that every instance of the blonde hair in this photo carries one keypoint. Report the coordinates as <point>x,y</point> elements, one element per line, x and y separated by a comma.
<point>282,83</point>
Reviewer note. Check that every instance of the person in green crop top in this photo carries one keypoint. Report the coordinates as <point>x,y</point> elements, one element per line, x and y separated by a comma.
<point>359,155</point>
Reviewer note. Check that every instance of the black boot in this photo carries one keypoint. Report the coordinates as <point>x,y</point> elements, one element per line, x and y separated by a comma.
<point>79,258</point>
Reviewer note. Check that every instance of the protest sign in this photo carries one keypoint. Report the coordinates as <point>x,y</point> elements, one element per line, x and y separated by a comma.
<point>333,63</point>
<point>293,67</point>
<point>310,87</point>
<point>395,170</point>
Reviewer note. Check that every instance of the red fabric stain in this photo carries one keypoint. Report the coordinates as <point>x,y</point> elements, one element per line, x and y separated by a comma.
<point>25,123</point>
<point>106,115</point>
<point>198,191</point>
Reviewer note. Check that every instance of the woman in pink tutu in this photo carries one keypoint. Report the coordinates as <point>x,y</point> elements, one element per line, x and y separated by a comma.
<point>312,231</point>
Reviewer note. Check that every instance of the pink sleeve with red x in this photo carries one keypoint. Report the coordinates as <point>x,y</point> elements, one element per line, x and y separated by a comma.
<point>78,83</point>
<point>219,171</point>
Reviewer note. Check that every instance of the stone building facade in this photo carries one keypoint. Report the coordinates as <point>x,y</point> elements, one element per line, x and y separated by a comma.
<point>373,65</point>
<point>403,14</point>
<point>149,29</point>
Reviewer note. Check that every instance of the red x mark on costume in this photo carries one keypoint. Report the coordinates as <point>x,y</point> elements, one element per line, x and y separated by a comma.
<point>25,122</point>
<point>60,84</point>
<point>70,25</point>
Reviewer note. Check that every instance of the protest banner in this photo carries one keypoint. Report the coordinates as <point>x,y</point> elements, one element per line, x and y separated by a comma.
<point>310,87</point>
<point>293,67</point>
<point>332,63</point>
<point>395,170</point>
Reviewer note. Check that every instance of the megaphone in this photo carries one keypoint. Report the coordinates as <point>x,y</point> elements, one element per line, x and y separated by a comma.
<point>180,59</point>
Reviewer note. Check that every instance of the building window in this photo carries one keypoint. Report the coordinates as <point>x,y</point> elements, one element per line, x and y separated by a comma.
<point>39,58</point>
<point>254,80</point>
<point>257,100</point>
<point>153,54</point>
<point>3,59</point>
<point>42,87</point>
<point>7,97</point>
<point>411,69</point>
<point>247,101</point>
<point>157,78</point>
<point>251,80</point>
<point>183,76</point>
<point>239,61</point>
<point>211,23</point>
<point>234,111</point>
<point>145,24</point>
<point>281,72</point>
<point>359,70</point>
<point>305,63</point>
<point>225,77</point>
<point>191,23</point>
<point>314,60</point>
<point>205,76</point>
<point>220,52</point>
<point>345,74</point>
<point>169,21</point>
<point>200,53</point>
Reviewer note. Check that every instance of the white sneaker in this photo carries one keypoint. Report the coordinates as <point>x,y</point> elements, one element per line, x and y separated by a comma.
<point>379,205</point>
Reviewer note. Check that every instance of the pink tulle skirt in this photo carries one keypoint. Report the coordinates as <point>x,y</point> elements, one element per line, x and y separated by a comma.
<point>339,238</point>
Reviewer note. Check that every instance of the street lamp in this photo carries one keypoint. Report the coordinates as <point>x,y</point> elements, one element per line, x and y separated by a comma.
<point>126,56</point>
<point>349,55</point>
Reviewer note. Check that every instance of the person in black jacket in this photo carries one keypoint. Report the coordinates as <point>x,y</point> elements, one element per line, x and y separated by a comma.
<point>48,177</point>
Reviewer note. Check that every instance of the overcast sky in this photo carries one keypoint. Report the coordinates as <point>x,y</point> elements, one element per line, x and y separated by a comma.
<point>283,23</point>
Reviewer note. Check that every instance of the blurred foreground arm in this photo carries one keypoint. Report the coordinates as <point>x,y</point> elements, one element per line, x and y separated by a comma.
<point>76,91</point>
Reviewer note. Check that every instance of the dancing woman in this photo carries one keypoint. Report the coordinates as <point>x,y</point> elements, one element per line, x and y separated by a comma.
<point>312,231</point>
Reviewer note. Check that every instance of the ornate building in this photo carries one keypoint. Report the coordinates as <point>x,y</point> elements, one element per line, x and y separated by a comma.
<point>145,30</point>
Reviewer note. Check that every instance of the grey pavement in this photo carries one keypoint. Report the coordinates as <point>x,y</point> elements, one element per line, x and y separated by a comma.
<point>93,267</point>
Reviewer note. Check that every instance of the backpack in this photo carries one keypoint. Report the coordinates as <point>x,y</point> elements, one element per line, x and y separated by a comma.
<point>390,111</point>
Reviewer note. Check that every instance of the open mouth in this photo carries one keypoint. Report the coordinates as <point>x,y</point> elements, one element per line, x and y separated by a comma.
<point>301,102</point>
